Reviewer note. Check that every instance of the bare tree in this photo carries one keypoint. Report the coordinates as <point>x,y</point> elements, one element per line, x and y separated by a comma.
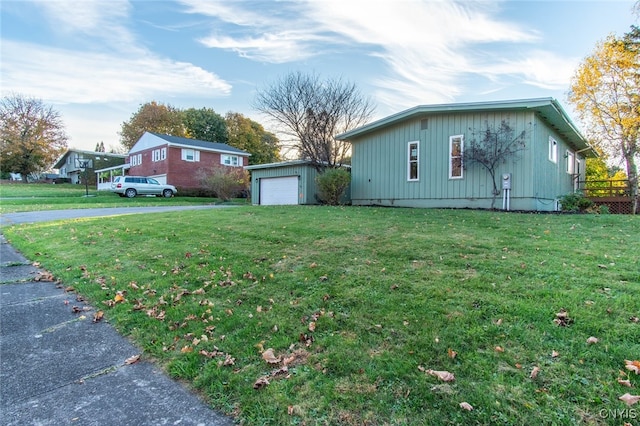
<point>492,147</point>
<point>32,135</point>
<point>311,112</point>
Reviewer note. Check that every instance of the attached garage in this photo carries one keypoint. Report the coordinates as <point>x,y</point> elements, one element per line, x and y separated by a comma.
<point>278,191</point>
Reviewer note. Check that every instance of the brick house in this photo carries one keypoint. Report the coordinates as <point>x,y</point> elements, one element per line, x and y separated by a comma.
<point>177,161</point>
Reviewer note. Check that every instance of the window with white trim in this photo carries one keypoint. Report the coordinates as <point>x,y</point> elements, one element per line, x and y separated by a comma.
<point>191,155</point>
<point>163,154</point>
<point>155,155</point>
<point>413,161</point>
<point>553,150</point>
<point>135,159</point>
<point>456,147</point>
<point>230,160</point>
<point>571,162</point>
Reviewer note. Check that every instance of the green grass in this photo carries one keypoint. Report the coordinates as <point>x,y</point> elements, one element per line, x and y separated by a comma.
<point>390,292</point>
<point>20,197</point>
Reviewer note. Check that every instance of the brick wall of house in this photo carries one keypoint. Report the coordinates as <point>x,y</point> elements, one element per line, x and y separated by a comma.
<point>180,173</point>
<point>148,166</point>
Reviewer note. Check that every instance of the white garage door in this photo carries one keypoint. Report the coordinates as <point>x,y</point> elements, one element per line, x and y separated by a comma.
<point>279,191</point>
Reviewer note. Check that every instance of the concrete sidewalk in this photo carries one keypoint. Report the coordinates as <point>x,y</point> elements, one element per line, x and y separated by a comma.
<point>59,368</point>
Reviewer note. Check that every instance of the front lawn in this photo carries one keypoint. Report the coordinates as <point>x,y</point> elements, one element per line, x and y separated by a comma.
<point>21,197</point>
<point>353,316</point>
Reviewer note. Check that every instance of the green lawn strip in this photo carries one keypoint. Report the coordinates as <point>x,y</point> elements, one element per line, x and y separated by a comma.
<point>18,197</point>
<point>361,301</point>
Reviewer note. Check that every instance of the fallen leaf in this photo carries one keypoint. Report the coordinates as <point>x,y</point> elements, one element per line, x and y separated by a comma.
<point>634,319</point>
<point>44,276</point>
<point>499,349</point>
<point>119,297</point>
<point>592,340</point>
<point>269,357</point>
<point>261,382</point>
<point>452,354</point>
<point>554,354</point>
<point>290,410</point>
<point>626,383</point>
<point>629,399</point>
<point>132,360</point>
<point>632,366</point>
<point>534,372</point>
<point>312,326</point>
<point>313,265</point>
<point>445,376</point>
<point>466,406</point>
<point>562,318</point>
<point>97,317</point>
<point>499,322</point>
<point>186,349</point>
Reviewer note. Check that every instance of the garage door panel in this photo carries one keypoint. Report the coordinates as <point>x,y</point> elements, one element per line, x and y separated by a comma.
<point>279,191</point>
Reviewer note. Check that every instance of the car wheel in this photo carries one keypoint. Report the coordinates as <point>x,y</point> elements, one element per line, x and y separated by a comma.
<point>130,193</point>
<point>167,193</point>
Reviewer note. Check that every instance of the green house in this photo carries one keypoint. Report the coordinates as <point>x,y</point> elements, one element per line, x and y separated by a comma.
<point>415,158</point>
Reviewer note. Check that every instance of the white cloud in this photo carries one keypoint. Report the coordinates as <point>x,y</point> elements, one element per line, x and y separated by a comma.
<point>93,19</point>
<point>86,77</point>
<point>430,48</point>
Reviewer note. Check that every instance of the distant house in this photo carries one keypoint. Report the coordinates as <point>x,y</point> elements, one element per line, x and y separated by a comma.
<point>73,164</point>
<point>413,158</point>
<point>177,161</point>
<point>284,183</point>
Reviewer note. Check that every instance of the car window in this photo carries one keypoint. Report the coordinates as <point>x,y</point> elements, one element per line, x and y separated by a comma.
<point>153,181</point>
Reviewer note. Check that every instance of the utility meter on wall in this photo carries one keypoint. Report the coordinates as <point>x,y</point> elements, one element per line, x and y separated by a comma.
<point>506,181</point>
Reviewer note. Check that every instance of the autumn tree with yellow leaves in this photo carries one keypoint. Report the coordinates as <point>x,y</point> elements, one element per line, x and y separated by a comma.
<point>606,93</point>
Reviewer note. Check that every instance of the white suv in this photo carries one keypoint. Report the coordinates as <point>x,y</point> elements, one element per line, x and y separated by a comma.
<point>130,186</point>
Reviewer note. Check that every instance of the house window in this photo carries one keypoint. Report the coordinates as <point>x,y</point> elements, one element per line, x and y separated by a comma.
<point>456,147</point>
<point>230,160</point>
<point>135,160</point>
<point>571,162</point>
<point>553,150</point>
<point>159,154</point>
<point>155,155</point>
<point>190,155</point>
<point>163,154</point>
<point>413,160</point>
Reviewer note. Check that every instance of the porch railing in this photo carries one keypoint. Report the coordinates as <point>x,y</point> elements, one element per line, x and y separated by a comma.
<point>605,188</point>
<point>615,194</point>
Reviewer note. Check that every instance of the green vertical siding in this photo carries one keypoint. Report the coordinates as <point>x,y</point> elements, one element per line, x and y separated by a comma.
<point>307,187</point>
<point>379,164</point>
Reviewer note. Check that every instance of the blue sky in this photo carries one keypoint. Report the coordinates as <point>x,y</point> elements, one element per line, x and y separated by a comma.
<point>96,61</point>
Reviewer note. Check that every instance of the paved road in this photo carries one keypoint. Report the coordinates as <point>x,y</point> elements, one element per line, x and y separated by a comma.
<point>58,367</point>
<point>49,215</point>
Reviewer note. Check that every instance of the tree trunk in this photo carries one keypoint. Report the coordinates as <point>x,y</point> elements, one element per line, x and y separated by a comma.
<point>494,191</point>
<point>632,174</point>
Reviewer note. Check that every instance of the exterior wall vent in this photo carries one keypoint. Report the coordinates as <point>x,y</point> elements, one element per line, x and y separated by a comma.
<point>424,124</point>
